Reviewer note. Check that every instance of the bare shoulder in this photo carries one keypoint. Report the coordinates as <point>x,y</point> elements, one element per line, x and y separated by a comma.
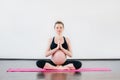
<point>50,39</point>
<point>67,39</point>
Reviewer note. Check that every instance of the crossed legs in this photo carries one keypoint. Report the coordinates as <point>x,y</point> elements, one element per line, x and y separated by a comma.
<point>69,64</point>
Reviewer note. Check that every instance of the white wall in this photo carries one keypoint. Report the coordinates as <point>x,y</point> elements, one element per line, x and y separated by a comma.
<point>93,27</point>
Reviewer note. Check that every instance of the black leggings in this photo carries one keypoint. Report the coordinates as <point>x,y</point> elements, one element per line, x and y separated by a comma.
<point>76,64</point>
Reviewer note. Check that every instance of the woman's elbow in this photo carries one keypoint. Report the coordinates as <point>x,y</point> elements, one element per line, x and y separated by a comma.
<point>46,55</point>
<point>70,55</point>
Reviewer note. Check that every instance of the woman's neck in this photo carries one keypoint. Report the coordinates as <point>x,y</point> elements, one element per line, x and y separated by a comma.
<point>59,36</point>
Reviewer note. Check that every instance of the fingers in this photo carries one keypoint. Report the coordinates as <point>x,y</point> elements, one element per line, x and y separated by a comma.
<point>59,45</point>
<point>58,41</point>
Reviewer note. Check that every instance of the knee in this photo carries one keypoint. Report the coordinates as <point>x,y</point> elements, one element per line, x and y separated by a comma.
<point>77,64</point>
<point>40,63</point>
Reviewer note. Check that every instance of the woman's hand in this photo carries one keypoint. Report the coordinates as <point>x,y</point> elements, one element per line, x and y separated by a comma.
<point>61,46</point>
<point>62,68</point>
<point>58,45</point>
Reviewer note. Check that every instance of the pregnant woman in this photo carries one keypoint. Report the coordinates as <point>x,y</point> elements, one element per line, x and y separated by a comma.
<point>59,48</point>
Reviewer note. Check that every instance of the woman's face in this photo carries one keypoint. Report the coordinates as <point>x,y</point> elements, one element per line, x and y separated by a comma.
<point>59,28</point>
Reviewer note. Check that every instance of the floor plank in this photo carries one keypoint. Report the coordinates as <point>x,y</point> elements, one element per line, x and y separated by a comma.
<point>114,65</point>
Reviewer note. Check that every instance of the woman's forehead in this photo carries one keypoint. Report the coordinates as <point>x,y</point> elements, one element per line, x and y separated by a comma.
<point>59,25</point>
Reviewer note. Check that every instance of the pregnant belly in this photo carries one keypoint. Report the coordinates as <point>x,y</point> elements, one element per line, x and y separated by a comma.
<point>59,57</point>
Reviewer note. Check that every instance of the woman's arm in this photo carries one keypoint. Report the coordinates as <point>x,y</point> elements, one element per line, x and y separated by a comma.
<point>48,51</point>
<point>69,51</point>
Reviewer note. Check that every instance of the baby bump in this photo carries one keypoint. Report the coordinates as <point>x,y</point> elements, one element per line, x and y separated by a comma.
<point>59,57</point>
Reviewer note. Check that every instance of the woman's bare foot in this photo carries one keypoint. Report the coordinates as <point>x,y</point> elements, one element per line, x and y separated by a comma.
<point>62,67</point>
<point>70,66</point>
<point>49,66</point>
<point>67,67</point>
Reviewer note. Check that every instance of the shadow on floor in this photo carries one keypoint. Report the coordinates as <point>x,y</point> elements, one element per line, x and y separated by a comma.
<point>57,75</point>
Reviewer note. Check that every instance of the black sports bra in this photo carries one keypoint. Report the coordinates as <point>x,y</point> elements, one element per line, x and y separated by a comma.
<point>54,45</point>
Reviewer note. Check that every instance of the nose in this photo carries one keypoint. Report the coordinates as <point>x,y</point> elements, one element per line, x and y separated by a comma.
<point>59,29</point>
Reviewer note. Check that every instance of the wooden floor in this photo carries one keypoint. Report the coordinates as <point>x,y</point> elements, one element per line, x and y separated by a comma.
<point>114,65</point>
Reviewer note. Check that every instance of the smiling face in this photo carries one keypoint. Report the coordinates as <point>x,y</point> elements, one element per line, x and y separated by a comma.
<point>59,28</point>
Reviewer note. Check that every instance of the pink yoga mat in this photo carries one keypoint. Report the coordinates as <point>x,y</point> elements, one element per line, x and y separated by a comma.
<point>51,70</point>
